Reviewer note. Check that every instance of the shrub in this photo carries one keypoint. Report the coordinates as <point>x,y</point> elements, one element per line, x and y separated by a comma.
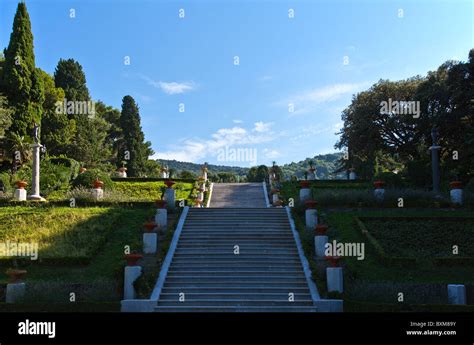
<point>87,179</point>
<point>5,179</point>
<point>391,179</point>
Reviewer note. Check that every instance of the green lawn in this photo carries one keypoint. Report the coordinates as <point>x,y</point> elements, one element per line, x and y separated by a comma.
<point>151,191</point>
<point>100,233</point>
<point>343,229</point>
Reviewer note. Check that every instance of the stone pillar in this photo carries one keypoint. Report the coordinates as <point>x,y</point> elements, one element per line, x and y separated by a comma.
<point>379,191</point>
<point>97,193</point>
<point>379,194</point>
<point>150,240</point>
<point>35,183</point>
<point>311,218</point>
<point>334,277</point>
<point>170,197</point>
<point>20,194</point>
<point>456,192</point>
<point>15,292</point>
<point>352,175</point>
<point>131,274</point>
<point>456,294</point>
<point>320,242</point>
<point>161,218</point>
<point>305,194</point>
<point>275,197</point>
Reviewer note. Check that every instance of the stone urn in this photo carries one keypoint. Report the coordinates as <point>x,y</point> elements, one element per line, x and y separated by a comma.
<point>98,184</point>
<point>310,204</point>
<point>160,203</point>
<point>169,183</point>
<point>149,226</point>
<point>21,184</point>
<point>132,259</point>
<point>15,275</point>
<point>333,260</point>
<point>320,229</point>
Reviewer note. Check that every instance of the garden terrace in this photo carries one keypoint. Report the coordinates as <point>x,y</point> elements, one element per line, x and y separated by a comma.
<point>426,263</point>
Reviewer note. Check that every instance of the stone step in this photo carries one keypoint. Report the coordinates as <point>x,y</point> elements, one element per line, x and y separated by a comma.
<point>228,289</point>
<point>251,267</point>
<point>234,302</point>
<point>235,309</point>
<point>213,284</point>
<point>282,296</point>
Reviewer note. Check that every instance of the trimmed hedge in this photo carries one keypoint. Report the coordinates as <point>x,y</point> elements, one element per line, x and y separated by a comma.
<point>81,307</point>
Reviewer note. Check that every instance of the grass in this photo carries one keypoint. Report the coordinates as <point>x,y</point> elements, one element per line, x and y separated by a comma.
<point>362,195</point>
<point>343,229</point>
<point>423,238</point>
<point>128,191</point>
<point>151,191</point>
<point>103,232</point>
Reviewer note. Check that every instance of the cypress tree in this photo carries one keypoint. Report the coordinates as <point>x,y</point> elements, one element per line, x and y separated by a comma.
<point>70,77</point>
<point>21,80</point>
<point>133,138</point>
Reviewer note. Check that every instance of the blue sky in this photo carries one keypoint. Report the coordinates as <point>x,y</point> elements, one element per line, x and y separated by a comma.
<point>282,61</point>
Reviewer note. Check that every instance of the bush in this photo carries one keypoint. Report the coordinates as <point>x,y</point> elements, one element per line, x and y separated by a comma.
<point>5,181</point>
<point>54,177</point>
<point>87,179</point>
<point>391,179</point>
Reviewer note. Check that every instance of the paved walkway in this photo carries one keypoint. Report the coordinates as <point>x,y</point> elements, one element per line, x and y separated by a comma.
<point>237,195</point>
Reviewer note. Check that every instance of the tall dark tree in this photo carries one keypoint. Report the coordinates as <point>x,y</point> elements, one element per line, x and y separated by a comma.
<point>133,149</point>
<point>70,77</point>
<point>21,80</point>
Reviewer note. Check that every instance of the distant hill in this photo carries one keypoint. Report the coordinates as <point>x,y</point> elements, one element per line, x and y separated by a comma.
<point>325,166</point>
<point>196,168</point>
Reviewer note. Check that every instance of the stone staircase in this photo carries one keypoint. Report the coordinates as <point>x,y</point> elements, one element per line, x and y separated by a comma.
<point>209,274</point>
<point>237,195</point>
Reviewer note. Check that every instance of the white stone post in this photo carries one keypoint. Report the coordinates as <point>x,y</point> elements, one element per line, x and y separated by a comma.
<point>150,240</point>
<point>320,242</point>
<point>131,274</point>
<point>35,183</point>
<point>456,193</point>
<point>456,294</point>
<point>20,194</point>
<point>334,277</point>
<point>15,292</point>
<point>275,197</point>
<point>305,194</point>
<point>379,191</point>
<point>170,197</point>
<point>311,218</point>
<point>352,175</point>
<point>161,218</point>
<point>97,193</point>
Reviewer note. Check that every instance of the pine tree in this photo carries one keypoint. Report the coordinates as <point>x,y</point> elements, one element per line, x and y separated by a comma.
<point>21,80</point>
<point>133,138</point>
<point>71,78</point>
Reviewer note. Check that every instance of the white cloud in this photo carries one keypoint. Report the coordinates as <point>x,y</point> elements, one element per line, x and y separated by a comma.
<point>237,121</point>
<point>262,127</point>
<point>195,149</point>
<point>265,78</point>
<point>270,154</point>
<point>307,101</point>
<point>176,88</point>
<point>170,88</point>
